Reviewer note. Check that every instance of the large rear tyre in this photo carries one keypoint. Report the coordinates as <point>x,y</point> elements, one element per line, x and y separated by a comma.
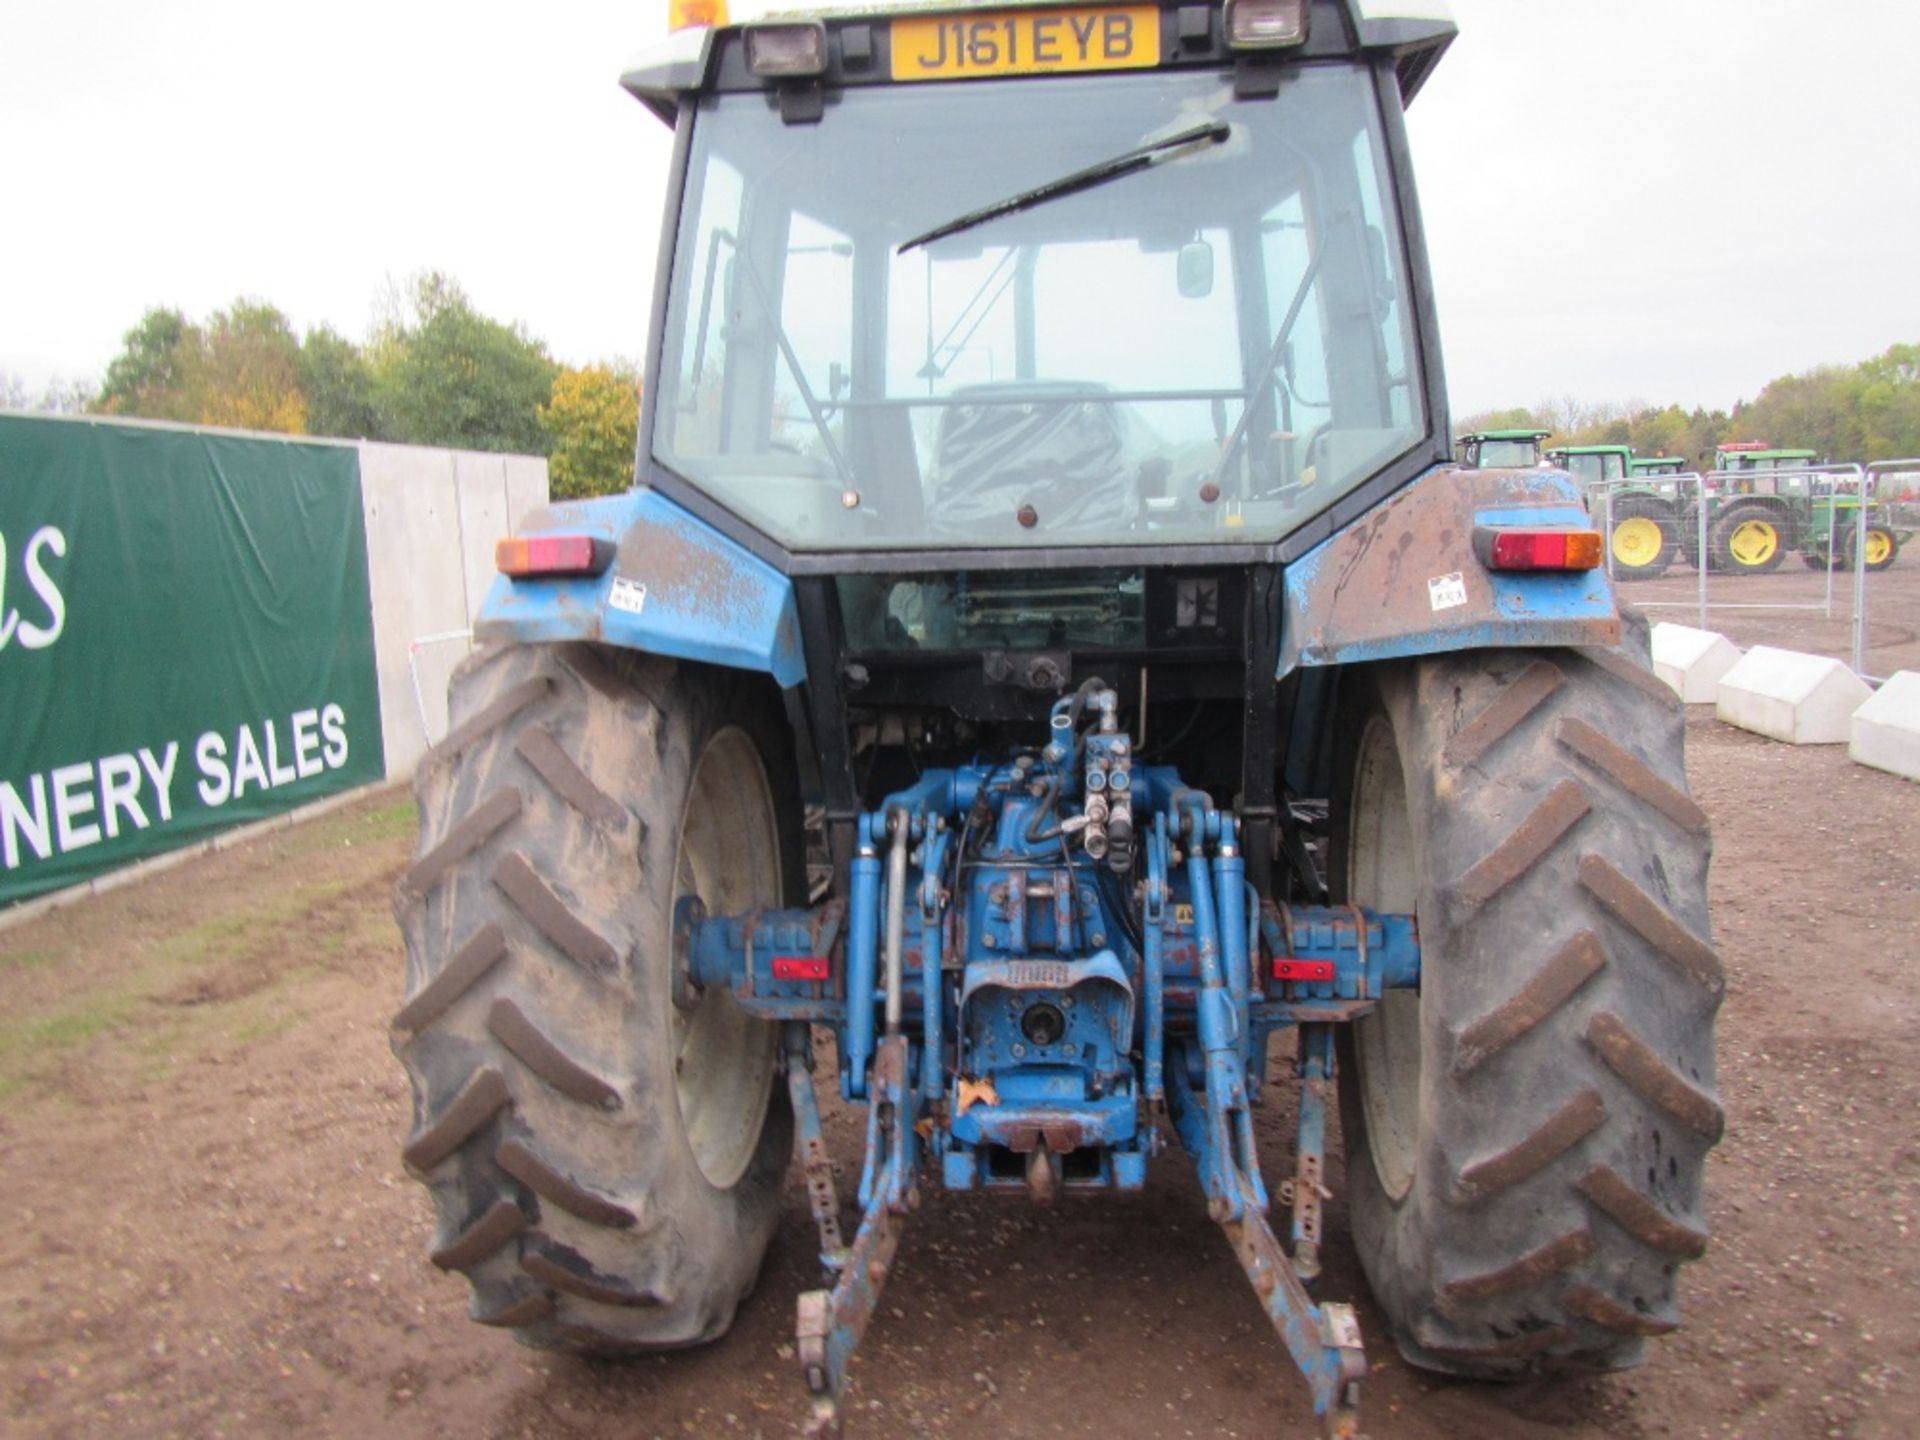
<point>1526,1135</point>
<point>1750,540</point>
<point>605,1165</point>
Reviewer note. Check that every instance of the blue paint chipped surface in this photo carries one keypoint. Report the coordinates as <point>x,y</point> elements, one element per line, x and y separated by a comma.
<point>1364,594</point>
<point>677,587</point>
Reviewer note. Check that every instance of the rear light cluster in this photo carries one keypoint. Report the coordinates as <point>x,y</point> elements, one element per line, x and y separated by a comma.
<point>526,557</point>
<point>1502,547</point>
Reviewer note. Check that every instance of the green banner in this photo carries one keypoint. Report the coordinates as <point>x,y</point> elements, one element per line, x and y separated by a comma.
<point>186,640</point>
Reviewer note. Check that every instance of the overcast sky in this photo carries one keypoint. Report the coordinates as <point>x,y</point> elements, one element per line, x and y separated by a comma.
<point>1654,199</point>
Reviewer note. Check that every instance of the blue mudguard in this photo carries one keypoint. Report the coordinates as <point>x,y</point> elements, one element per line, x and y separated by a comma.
<point>676,587</point>
<point>1403,579</point>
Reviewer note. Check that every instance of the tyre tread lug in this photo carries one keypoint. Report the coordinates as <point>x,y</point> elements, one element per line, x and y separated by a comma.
<point>1527,692</point>
<point>1565,1128</point>
<point>483,1096</point>
<point>1631,774</point>
<point>1640,1217</point>
<point>1561,1253</point>
<point>473,830</point>
<point>1526,845</point>
<point>483,1239</point>
<point>484,949</point>
<point>1552,985</point>
<point>1653,922</point>
<point>532,1046</point>
<point>1635,1062</point>
<point>550,915</point>
<point>550,1183</point>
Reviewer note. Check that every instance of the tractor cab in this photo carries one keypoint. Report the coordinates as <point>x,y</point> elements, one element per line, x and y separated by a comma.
<point>1752,467</point>
<point>946,286</point>
<point>1501,449</point>
<point>1650,466</point>
<point>1593,465</point>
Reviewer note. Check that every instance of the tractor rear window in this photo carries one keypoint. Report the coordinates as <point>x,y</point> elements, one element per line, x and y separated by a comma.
<point>1498,454</point>
<point>1213,347</point>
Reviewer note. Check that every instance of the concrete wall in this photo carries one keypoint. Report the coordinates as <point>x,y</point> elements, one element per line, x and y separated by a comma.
<point>432,518</point>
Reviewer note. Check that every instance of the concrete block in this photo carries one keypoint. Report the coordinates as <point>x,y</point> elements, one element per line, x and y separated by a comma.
<point>1692,661</point>
<point>1886,730</point>
<point>1801,699</point>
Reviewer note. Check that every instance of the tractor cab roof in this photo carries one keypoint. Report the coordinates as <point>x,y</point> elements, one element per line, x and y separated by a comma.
<point>846,45</point>
<point>1748,456</point>
<point>1480,435</point>
<point>1591,450</point>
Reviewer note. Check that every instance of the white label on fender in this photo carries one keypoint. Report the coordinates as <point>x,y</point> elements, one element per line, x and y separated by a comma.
<point>1447,591</point>
<point>631,596</point>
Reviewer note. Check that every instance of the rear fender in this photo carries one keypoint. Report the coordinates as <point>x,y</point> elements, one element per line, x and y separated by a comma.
<point>1403,580</point>
<point>676,587</point>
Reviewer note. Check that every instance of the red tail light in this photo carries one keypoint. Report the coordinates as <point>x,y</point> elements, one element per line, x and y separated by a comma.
<point>1513,548</point>
<point>552,556</point>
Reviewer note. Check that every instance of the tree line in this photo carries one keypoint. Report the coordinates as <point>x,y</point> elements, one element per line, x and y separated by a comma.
<point>1864,412</point>
<point>435,371</point>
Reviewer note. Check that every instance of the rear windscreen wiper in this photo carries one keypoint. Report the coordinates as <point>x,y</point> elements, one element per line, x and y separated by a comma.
<point>1127,164</point>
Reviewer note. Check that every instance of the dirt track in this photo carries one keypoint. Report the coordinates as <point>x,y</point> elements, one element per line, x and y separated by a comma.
<point>1789,608</point>
<point>209,1233</point>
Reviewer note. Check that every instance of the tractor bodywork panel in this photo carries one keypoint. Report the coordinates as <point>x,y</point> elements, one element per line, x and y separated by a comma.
<point>676,587</point>
<point>1398,580</point>
<point>1403,579</point>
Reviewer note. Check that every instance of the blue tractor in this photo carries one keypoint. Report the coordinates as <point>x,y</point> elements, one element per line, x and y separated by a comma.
<point>1044,524</point>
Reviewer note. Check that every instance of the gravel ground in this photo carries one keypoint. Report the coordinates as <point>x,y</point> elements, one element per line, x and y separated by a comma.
<point>1794,608</point>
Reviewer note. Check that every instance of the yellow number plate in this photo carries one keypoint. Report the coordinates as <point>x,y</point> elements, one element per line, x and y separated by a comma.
<point>1026,42</point>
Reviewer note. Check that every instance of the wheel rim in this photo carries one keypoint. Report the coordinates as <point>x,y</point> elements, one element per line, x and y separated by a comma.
<point>1382,874</point>
<point>1879,547</point>
<point>728,856</point>
<point>1637,542</point>
<point>1753,542</point>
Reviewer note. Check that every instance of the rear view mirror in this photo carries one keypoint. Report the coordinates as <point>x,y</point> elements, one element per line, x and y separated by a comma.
<point>1196,270</point>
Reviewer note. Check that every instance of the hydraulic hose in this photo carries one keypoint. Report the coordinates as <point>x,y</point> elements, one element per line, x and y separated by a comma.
<point>896,918</point>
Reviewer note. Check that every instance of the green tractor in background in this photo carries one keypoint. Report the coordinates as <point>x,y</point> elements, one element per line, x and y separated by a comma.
<point>1647,523</point>
<point>1769,502</point>
<point>1758,511</point>
<point>1762,504</point>
<point>1500,449</point>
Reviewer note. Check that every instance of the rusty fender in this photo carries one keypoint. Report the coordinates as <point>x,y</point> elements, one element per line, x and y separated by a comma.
<point>1403,580</point>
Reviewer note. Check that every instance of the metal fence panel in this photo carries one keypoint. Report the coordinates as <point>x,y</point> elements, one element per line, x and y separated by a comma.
<point>1768,556</point>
